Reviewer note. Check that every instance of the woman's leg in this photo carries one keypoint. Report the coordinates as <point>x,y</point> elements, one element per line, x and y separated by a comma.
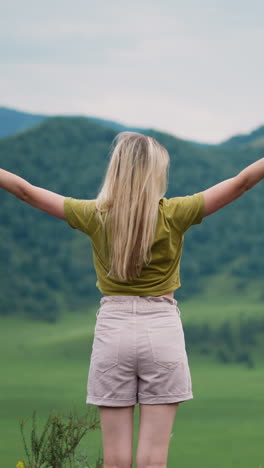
<point>156,423</point>
<point>117,435</point>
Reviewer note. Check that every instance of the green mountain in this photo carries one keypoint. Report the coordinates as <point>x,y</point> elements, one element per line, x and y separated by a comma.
<point>255,138</point>
<point>13,121</point>
<point>46,267</point>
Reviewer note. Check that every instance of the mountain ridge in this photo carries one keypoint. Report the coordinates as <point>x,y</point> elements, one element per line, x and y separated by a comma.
<point>13,121</point>
<point>50,266</point>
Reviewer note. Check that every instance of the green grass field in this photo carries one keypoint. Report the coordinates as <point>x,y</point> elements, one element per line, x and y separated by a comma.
<point>223,300</point>
<point>45,366</point>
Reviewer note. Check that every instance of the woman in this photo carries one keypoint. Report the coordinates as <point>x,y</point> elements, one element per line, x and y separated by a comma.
<point>137,237</point>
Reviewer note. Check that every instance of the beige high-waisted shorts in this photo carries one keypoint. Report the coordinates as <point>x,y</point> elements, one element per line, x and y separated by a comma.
<point>138,353</point>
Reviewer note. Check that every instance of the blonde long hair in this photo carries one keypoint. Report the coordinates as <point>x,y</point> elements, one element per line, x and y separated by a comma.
<point>135,180</point>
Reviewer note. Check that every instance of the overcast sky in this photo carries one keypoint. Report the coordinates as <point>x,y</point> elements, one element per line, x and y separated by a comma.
<point>191,68</point>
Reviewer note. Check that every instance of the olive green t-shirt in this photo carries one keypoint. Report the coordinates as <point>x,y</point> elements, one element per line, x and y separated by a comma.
<point>162,274</point>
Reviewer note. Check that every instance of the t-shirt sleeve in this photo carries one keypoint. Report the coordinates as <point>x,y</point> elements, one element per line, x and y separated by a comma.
<point>186,211</point>
<point>80,214</point>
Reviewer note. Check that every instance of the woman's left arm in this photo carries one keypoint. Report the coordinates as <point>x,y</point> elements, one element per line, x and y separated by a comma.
<point>45,200</point>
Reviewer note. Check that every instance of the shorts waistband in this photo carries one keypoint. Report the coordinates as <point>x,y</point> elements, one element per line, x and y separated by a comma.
<point>139,299</point>
<point>137,304</point>
<point>128,298</point>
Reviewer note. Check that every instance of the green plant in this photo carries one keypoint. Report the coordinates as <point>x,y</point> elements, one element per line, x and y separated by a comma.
<point>58,441</point>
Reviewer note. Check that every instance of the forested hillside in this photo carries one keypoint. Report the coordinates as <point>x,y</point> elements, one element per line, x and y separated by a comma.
<point>46,266</point>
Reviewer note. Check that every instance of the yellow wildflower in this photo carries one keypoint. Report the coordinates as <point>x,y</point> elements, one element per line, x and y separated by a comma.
<point>20,464</point>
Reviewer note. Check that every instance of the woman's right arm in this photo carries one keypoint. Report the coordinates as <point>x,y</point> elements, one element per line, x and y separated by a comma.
<point>225,192</point>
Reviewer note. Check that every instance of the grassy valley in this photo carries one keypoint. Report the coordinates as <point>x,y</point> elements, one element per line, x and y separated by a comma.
<point>45,367</point>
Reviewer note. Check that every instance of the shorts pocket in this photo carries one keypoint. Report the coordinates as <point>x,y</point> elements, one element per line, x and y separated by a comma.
<point>167,345</point>
<point>105,350</point>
